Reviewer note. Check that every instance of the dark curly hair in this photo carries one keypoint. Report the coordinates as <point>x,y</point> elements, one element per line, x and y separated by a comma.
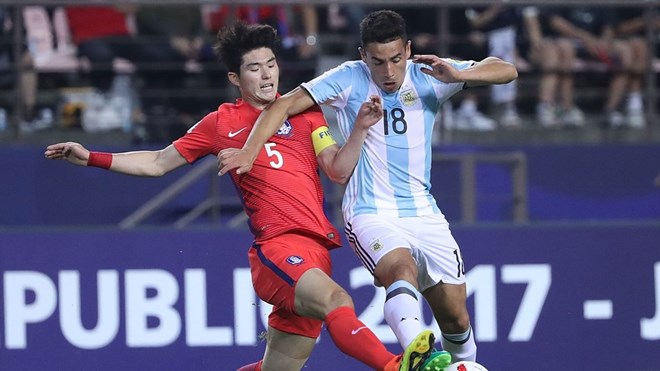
<point>233,42</point>
<point>382,26</point>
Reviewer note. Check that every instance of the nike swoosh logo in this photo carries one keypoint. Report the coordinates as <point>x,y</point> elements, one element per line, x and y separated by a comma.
<point>233,134</point>
<point>358,330</point>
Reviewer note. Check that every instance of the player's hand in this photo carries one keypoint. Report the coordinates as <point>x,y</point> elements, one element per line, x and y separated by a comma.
<point>234,158</point>
<point>70,151</point>
<point>370,113</point>
<point>439,68</point>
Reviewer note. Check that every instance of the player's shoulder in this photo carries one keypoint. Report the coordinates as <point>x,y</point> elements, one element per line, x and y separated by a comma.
<point>349,68</point>
<point>206,124</point>
<point>315,109</point>
<point>358,63</point>
<point>228,113</point>
<point>227,108</point>
<point>311,114</point>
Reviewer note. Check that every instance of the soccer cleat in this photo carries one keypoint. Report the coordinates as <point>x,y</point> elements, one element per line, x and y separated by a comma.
<point>417,352</point>
<point>437,361</point>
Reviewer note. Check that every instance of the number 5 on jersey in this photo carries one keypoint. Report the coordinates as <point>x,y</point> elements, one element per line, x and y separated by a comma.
<point>278,161</point>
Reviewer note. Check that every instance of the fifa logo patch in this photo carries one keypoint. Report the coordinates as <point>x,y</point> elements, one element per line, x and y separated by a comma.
<point>324,133</point>
<point>408,97</point>
<point>375,246</point>
<point>294,260</point>
<point>286,130</point>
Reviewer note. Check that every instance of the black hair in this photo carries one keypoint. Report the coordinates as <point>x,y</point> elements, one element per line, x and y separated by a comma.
<point>233,42</point>
<point>382,26</point>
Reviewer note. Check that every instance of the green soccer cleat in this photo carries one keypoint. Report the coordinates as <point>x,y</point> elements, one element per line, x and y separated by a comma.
<point>418,352</point>
<point>437,361</point>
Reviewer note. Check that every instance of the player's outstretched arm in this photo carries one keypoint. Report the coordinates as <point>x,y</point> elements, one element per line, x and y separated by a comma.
<point>270,120</point>
<point>489,71</point>
<point>338,163</point>
<point>138,163</point>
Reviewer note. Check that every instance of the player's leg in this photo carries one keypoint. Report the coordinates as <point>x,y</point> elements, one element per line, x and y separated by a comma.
<point>290,338</point>
<point>284,351</point>
<point>397,272</point>
<point>292,273</point>
<point>448,303</point>
<point>442,281</point>
<point>256,366</point>
<point>383,247</point>
<point>318,296</point>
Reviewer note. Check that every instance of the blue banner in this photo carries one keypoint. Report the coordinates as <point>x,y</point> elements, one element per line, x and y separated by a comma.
<point>541,298</point>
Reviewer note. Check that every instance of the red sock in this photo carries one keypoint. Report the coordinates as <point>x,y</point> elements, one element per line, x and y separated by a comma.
<point>251,367</point>
<point>347,331</point>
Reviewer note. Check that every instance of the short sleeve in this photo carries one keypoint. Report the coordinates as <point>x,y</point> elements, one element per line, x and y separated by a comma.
<point>198,141</point>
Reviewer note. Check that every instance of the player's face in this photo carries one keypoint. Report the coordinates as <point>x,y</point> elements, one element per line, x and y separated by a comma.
<point>259,77</point>
<point>387,63</point>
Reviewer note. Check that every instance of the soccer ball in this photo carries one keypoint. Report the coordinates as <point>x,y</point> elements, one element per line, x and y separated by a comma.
<point>465,366</point>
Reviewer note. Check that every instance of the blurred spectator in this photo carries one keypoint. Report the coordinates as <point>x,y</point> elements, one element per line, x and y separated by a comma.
<point>467,45</point>
<point>632,27</point>
<point>297,28</point>
<point>181,25</point>
<point>594,29</point>
<point>344,20</point>
<point>345,17</point>
<point>556,58</point>
<point>102,34</point>
<point>186,42</point>
<point>29,118</point>
<point>633,23</point>
<point>498,22</point>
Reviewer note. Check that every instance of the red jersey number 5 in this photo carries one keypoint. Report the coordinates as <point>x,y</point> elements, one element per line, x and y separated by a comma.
<point>271,152</point>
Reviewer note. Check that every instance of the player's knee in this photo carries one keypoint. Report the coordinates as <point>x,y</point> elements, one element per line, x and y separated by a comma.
<point>339,298</point>
<point>454,323</point>
<point>403,268</point>
<point>398,273</point>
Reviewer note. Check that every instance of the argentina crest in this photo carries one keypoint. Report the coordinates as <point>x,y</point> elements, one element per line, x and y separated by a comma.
<point>408,97</point>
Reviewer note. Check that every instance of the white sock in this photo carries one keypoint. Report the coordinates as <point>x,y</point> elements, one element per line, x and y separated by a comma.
<point>461,346</point>
<point>402,312</point>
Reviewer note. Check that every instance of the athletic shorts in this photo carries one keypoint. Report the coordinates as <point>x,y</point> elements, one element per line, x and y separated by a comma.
<point>276,265</point>
<point>428,238</point>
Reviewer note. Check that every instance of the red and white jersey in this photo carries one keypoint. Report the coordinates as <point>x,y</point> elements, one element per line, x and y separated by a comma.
<point>282,193</point>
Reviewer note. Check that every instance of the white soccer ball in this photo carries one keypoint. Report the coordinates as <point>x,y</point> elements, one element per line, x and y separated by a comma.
<point>465,366</point>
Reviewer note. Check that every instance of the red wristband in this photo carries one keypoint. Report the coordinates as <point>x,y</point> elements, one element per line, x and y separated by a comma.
<point>100,159</point>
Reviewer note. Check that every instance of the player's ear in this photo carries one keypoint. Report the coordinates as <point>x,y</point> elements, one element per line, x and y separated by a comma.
<point>234,78</point>
<point>408,49</point>
<point>363,54</point>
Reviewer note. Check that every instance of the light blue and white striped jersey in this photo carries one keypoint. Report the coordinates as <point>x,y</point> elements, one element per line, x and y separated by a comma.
<point>392,176</point>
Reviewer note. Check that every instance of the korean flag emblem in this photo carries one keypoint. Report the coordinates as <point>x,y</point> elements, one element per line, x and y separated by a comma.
<point>294,260</point>
<point>286,130</point>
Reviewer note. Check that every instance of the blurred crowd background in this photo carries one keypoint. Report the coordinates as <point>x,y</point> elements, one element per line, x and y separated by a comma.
<point>141,73</point>
<point>145,72</point>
